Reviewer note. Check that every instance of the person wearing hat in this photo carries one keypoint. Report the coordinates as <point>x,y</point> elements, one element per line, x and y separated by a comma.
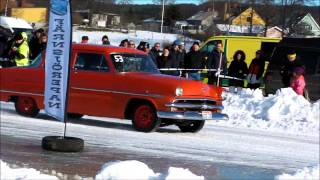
<point>286,70</point>
<point>194,60</point>
<point>105,40</point>
<point>256,70</point>
<point>217,60</point>
<point>144,46</point>
<point>20,51</point>
<point>297,82</point>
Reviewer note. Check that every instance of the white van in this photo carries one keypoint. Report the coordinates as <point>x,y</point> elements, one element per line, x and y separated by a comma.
<point>15,25</point>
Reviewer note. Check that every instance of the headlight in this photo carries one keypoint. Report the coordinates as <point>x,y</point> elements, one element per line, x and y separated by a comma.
<point>179,91</point>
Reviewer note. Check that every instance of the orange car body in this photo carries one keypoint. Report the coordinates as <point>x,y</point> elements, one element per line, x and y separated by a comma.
<point>109,93</point>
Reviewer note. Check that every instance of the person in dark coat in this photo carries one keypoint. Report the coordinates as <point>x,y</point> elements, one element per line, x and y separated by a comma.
<point>177,57</point>
<point>155,52</point>
<point>286,70</point>
<point>35,44</point>
<point>256,70</point>
<point>194,60</point>
<point>165,60</point>
<point>217,60</point>
<point>238,68</point>
<point>105,40</point>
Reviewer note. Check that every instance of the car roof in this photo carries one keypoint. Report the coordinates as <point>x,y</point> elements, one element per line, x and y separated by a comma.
<point>12,22</point>
<point>108,49</point>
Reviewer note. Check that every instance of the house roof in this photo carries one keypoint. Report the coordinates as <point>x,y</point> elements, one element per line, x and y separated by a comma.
<point>201,15</point>
<point>151,20</point>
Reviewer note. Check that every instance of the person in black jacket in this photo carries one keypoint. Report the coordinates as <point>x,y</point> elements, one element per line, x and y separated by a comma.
<point>238,69</point>
<point>194,60</point>
<point>155,52</point>
<point>218,61</point>
<point>35,44</point>
<point>289,65</point>
<point>256,70</point>
<point>177,58</point>
<point>165,60</point>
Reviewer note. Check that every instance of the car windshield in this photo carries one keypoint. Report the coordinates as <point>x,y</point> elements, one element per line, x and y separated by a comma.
<point>133,63</point>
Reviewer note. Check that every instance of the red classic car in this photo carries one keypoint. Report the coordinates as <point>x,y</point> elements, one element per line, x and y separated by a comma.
<point>119,83</point>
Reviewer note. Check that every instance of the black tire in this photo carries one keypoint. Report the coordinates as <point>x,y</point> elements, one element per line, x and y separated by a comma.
<point>144,118</point>
<point>62,144</point>
<point>191,126</point>
<point>26,106</point>
<point>74,116</point>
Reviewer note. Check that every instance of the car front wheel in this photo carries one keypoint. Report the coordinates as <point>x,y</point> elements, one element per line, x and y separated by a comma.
<point>191,126</point>
<point>145,119</point>
<point>26,106</point>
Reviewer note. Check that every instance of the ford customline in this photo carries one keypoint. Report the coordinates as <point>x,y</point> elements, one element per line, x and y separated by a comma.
<point>118,83</point>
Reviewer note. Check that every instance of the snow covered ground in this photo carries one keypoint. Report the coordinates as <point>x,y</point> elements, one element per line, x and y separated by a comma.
<point>307,173</point>
<point>116,37</point>
<point>279,132</point>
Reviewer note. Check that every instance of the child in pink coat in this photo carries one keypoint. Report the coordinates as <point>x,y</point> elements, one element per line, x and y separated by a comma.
<point>297,82</point>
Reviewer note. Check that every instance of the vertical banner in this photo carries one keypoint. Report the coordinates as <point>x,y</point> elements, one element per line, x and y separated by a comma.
<point>57,58</point>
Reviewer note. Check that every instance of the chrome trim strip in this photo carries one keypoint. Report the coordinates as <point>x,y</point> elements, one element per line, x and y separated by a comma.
<point>193,106</point>
<point>23,93</point>
<point>196,99</point>
<point>118,92</point>
<point>190,115</point>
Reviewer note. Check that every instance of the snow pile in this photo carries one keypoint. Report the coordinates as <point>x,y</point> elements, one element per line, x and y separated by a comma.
<point>138,170</point>
<point>22,173</point>
<point>116,37</point>
<point>302,174</point>
<point>284,111</point>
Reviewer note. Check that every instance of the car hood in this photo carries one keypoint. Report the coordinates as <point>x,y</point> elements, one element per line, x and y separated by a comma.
<point>166,85</point>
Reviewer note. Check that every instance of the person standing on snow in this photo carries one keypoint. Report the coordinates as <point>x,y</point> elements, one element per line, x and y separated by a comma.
<point>194,60</point>
<point>84,39</point>
<point>256,70</point>
<point>218,61</point>
<point>287,68</point>
<point>238,69</point>
<point>34,43</point>
<point>155,52</point>
<point>20,50</point>
<point>105,40</point>
<point>297,82</point>
<point>165,60</point>
<point>177,57</point>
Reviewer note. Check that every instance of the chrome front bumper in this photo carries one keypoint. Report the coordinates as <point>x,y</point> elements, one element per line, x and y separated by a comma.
<point>191,115</point>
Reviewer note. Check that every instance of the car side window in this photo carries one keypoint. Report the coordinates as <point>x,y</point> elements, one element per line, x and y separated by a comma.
<point>91,62</point>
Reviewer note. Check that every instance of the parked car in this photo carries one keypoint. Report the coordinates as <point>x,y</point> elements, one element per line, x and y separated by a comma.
<point>308,51</point>
<point>119,83</point>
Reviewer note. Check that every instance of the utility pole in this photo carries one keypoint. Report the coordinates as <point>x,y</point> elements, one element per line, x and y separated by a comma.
<point>284,4</point>
<point>213,25</point>
<point>6,8</point>
<point>251,17</point>
<point>162,16</point>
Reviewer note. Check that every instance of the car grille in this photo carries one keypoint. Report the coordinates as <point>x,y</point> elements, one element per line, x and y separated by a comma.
<point>195,105</point>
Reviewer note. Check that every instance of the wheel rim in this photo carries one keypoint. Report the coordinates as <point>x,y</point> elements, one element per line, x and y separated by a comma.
<point>25,104</point>
<point>144,116</point>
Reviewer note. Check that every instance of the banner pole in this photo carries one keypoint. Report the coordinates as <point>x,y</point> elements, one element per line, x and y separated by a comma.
<point>220,59</point>
<point>68,79</point>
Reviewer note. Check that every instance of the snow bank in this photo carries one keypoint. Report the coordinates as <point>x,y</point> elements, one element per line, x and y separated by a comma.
<point>284,111</point>
<point>138,170</point>
<point>302,174</point>
<point>22,173</point>
<point>116,37</point>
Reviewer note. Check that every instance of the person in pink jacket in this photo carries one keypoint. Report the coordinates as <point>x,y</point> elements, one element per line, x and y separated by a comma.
<point>297,82</point>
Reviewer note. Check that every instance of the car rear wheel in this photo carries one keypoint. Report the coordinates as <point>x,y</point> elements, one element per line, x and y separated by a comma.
<point>191,126</point>
<point>26,106</point>
<point>145,119</point>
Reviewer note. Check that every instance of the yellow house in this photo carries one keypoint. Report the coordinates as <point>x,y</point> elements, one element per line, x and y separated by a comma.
<point>31,15</point>
<point>244,18</point>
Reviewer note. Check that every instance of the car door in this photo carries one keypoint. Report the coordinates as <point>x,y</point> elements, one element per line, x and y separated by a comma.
<point>91,84</point>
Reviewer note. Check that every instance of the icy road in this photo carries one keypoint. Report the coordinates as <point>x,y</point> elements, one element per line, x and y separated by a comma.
<point>216,152</point>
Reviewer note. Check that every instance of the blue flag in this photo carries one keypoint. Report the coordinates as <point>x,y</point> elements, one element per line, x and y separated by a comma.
<point>57,58</point>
